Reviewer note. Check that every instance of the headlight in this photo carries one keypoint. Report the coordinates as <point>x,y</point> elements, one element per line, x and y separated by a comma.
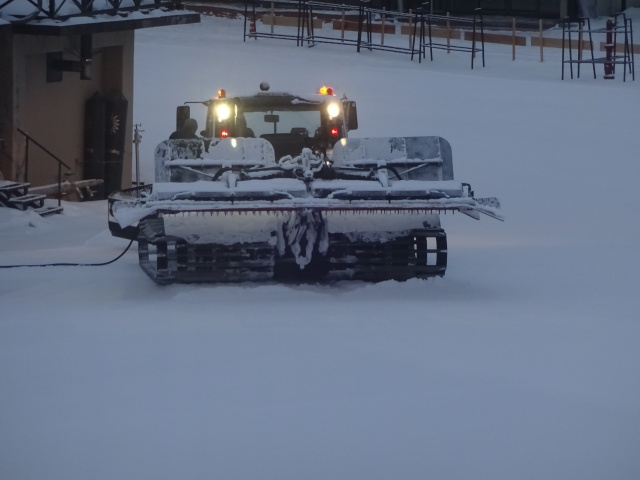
<point>223,112</point>
<point>333,109</point>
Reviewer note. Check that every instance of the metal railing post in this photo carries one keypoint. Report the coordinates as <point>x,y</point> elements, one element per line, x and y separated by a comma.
<point>26,159</point>
<point>28,138</point>
<point>59,184</point>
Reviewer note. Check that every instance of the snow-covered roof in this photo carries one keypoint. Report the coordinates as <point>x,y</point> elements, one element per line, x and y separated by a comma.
<point>66,17</point>
<point>65,8</point>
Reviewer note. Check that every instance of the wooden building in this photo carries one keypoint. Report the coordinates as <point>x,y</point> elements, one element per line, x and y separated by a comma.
<point>55,55</point>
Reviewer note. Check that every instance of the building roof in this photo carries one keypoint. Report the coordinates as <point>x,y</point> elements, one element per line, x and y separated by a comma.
<point>68,18</point>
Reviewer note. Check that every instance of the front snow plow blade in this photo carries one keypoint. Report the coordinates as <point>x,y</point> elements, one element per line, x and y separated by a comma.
<point>233,213</point>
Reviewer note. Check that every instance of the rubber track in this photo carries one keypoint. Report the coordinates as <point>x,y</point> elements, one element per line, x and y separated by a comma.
<point>419,254</point>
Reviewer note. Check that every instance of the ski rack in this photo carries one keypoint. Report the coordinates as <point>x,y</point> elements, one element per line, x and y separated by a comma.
<point>425,22</point>
<point>365,28</point>
<point>421,22</point>
<point>621,25</point>
<point>368,22</point>
<point>299,6</point>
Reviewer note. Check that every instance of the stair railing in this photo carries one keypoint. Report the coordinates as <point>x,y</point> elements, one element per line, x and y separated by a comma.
<point>28,138</point>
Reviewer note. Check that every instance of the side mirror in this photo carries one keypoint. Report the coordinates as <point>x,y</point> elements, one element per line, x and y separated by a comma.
<point>351,114</point>
<point>182,113</point>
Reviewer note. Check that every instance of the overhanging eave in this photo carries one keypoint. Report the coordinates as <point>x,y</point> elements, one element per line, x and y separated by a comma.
<point>105,23</point>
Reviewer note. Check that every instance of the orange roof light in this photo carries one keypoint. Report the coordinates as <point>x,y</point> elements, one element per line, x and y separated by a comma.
<point>324,90</point>
<point>222,93</point>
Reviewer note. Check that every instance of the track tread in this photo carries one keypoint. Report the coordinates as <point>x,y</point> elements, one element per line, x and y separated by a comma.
<point>418,254</point>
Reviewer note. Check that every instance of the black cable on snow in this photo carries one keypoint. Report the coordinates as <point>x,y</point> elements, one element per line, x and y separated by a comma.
<point>102,264</point>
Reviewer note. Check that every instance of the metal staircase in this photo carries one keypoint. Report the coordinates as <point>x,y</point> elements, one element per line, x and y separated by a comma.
<point>16,195</point>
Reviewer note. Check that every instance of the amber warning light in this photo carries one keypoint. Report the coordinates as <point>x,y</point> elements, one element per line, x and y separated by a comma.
<point>324,90</point>
<point>222,93</point>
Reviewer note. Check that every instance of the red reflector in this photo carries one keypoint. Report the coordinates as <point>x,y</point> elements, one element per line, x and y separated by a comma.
<point>224,133</point>
<point>335,131</point>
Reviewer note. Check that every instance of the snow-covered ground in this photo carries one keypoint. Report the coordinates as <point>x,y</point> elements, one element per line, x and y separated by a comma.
<point>523,362</point>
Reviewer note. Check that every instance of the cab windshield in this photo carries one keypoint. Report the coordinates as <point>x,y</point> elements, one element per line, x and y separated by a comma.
<point>303,122</point>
